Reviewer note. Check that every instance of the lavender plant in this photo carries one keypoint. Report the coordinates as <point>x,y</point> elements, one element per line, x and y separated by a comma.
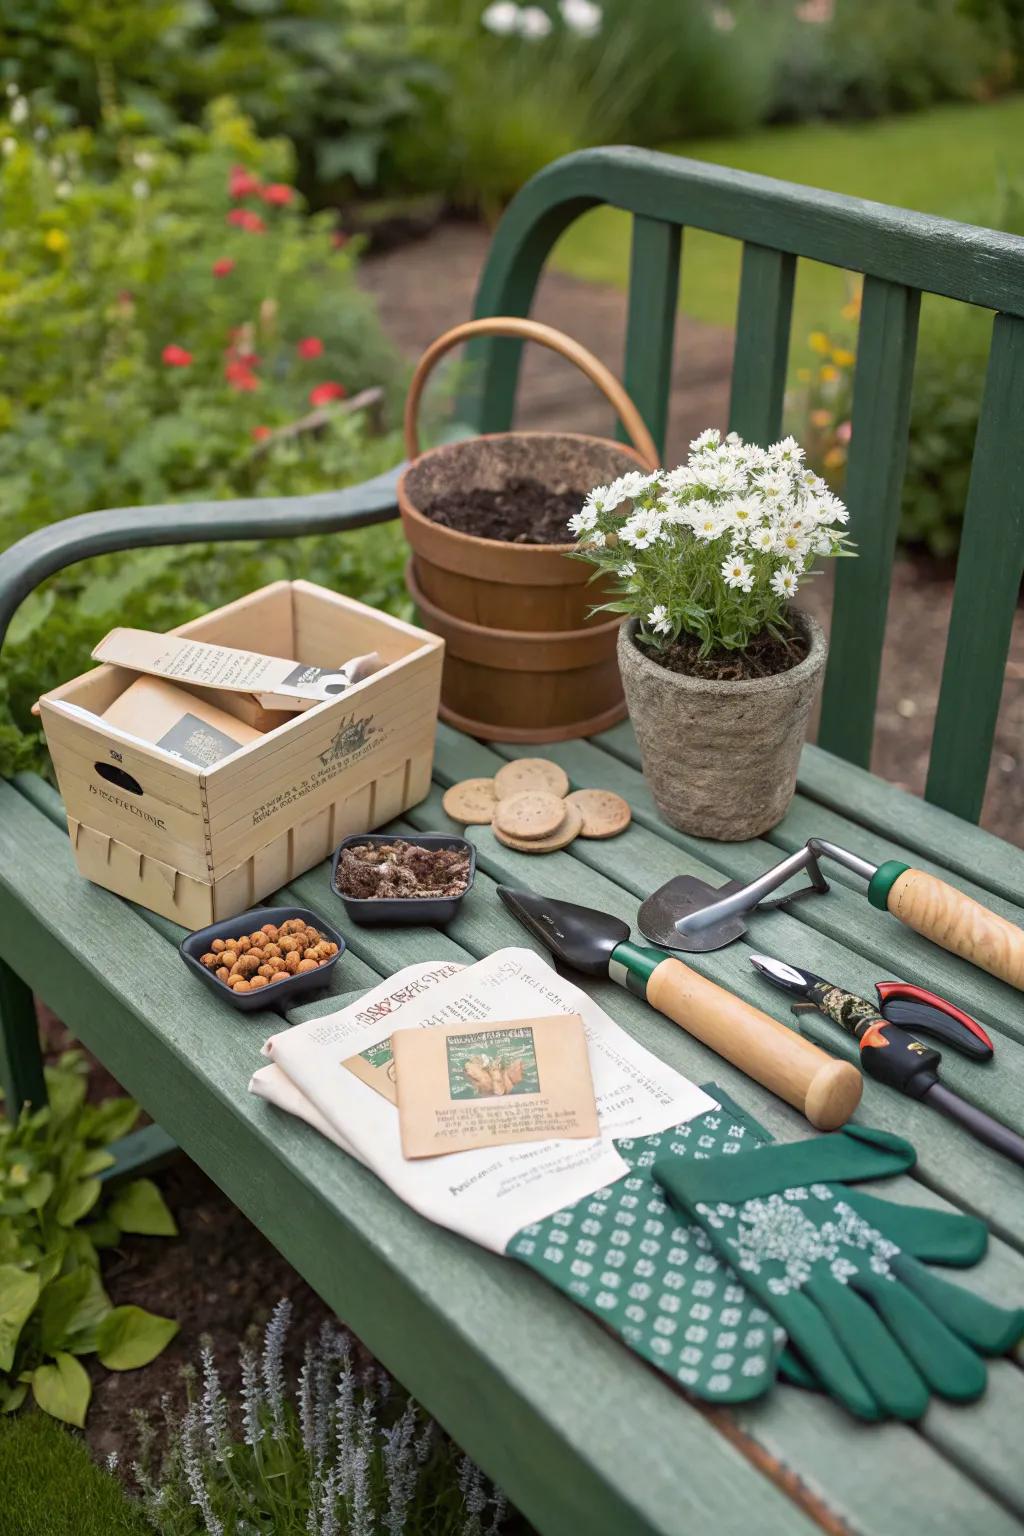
<point>344,1455</point>
<point>715,548</point>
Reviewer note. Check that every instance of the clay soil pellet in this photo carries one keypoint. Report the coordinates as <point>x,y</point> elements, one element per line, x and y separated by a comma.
<point>384,871</point>
<point>271,954</point>
<point>521,512</point>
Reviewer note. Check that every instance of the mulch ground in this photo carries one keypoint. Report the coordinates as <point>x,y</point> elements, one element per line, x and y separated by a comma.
<point>220,1276</point>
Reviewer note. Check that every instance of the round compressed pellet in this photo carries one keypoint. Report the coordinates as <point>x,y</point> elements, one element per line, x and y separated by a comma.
<point>471,802</point>
<point>533,813</point>
<point>572,821</point>
<point>530,773</point>
<point>604,813</point>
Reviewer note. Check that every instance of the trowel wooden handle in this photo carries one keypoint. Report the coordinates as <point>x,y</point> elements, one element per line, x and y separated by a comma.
<point>963,926</point>
<point>823,1088</point>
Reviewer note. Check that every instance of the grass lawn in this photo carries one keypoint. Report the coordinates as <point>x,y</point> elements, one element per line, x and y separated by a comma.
<point>52,1487</point>
<point>948,161</point>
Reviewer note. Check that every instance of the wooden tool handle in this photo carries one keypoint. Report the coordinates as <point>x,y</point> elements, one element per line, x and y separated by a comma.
<point>963,926</point>
<point>823,1088</point>
<point>547,336</point>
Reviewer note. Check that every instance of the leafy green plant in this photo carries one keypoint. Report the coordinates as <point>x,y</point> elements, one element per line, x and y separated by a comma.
<point>344,1455</point>
<point>55,1218</point>
<point>80,1498</point>
<point>173,326</point>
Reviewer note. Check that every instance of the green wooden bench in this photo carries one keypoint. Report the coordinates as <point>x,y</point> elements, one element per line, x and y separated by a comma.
<point>582,1435</point>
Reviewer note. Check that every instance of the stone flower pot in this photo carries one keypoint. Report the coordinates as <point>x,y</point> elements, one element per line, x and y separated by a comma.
<point>721,757</point>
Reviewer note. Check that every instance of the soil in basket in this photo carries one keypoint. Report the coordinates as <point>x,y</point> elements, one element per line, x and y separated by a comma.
<point>387,870</point>
<point>765,655</point>
<point>522,511</point>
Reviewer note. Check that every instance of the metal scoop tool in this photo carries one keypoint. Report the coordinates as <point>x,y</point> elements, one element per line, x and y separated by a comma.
<point>689,915</point>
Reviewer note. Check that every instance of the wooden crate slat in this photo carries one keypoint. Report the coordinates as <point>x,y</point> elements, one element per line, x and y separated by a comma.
<point>651,322</point>
<point>874,482</point>
<point>987,589</point>
<point>762,343</point>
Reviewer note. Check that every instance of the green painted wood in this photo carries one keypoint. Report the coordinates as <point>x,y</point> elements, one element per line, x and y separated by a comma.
<point>651,322</point>
<point>489,924</point>
<point>988,579</point>
<point>874,481</point>
<point>548,1419</point>
<point>929,831</point>
<point>143,1151</point>
<point>762,343</point>
<point>21,1061</point>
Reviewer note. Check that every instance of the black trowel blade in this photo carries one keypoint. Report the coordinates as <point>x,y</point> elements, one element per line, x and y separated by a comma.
<point>580,936</point>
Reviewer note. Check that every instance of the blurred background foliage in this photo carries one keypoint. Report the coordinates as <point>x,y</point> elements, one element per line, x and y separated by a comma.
<point>181,181</point>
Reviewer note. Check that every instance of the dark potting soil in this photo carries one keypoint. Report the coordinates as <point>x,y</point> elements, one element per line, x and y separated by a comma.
<point>387,870</point>
<point>764,656</point>
<point>523,511</point>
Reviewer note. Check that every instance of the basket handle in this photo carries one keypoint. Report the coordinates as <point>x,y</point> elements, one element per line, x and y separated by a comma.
<point>547,336</point>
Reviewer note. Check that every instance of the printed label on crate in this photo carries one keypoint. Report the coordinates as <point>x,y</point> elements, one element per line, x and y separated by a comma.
<point>197,741</point>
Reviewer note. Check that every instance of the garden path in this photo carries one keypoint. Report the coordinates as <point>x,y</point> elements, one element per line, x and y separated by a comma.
<point>427,286</point>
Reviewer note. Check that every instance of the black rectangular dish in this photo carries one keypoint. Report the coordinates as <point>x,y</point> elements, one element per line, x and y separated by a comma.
<point>433,910</point>
<point>283,993</point>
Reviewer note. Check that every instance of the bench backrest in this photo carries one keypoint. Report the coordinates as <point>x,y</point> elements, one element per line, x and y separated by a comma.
<point>901,255</point>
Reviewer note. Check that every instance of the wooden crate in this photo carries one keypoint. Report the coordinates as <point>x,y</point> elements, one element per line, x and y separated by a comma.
<point>198,845</point>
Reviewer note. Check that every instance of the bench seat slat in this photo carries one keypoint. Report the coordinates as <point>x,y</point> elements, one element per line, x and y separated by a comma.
<point>420,1297</point>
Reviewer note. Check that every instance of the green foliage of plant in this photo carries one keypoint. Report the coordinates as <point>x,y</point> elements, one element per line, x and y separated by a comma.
<point>55,1218</point>
<point>52,1487</point>
<point>104,266</point>
<point>344,1455</point>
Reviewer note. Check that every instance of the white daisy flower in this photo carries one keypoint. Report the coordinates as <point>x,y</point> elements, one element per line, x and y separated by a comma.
<point>659,620</point>
<point>596,538</point>
<point>629,486</point>
<point>787,452</point>
<point>8,146</point>
<point>706,520</point>
<point>18,110</point>
<point>742,513</point>
<point>709,438</point>
<point>583,520</point>
<point>681,479</point>
<point>643,529</point>
<point>762,539</point>
<point>789,542</point>
<point>785,582</point>
<point>533,23</point>
<point>773,486</point>
<point>627,569</point>
<point>738,573</point>
<point>582,17</point>
<point>501,18</point>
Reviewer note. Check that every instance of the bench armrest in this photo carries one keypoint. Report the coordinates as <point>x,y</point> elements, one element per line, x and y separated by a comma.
<point>28,562</point>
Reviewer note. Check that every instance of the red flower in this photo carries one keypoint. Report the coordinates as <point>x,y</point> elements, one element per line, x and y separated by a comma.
<point>323,394</point>
<point>175,356</point>
<point>242,183</point>
<point>245,359</point>
<point>277,192</point>
<point>339,239</point>
<point>244,218</point>
<point>240,377</point>
<point>223,268</point>
<point>259,434</point>
<point>310,346</point>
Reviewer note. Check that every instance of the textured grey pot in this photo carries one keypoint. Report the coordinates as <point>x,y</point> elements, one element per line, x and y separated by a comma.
<point>721,758</point>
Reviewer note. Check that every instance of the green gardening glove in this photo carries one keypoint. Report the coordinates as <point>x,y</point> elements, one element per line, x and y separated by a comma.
<point>875,1327</point>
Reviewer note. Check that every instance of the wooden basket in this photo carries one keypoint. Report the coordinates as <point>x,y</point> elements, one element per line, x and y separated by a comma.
<point>495,600</point>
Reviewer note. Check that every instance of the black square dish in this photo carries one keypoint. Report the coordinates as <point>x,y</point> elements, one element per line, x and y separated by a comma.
<point>434,910</point>
<point>283,993</point>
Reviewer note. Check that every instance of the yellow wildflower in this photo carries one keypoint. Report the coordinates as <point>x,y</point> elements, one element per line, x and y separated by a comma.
<point>818,342</point>
<point>828,374</point>
<point>821,418</point>
<point>851,311</point>
<point>843,357</point>
<point>56,240</point>
<point>835,458</point>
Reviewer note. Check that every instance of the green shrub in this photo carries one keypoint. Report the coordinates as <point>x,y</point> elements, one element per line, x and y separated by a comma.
<point>344,1455</point>
<point>52,1487</point>
<point>56,1216</point>
<point>154,349</point>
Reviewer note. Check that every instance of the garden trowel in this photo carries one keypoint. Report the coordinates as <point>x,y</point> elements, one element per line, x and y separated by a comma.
<point>827,1091</point>
<point>689,915</point>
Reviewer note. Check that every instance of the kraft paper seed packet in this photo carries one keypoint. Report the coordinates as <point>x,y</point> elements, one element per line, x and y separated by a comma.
<point>470,1085</point>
